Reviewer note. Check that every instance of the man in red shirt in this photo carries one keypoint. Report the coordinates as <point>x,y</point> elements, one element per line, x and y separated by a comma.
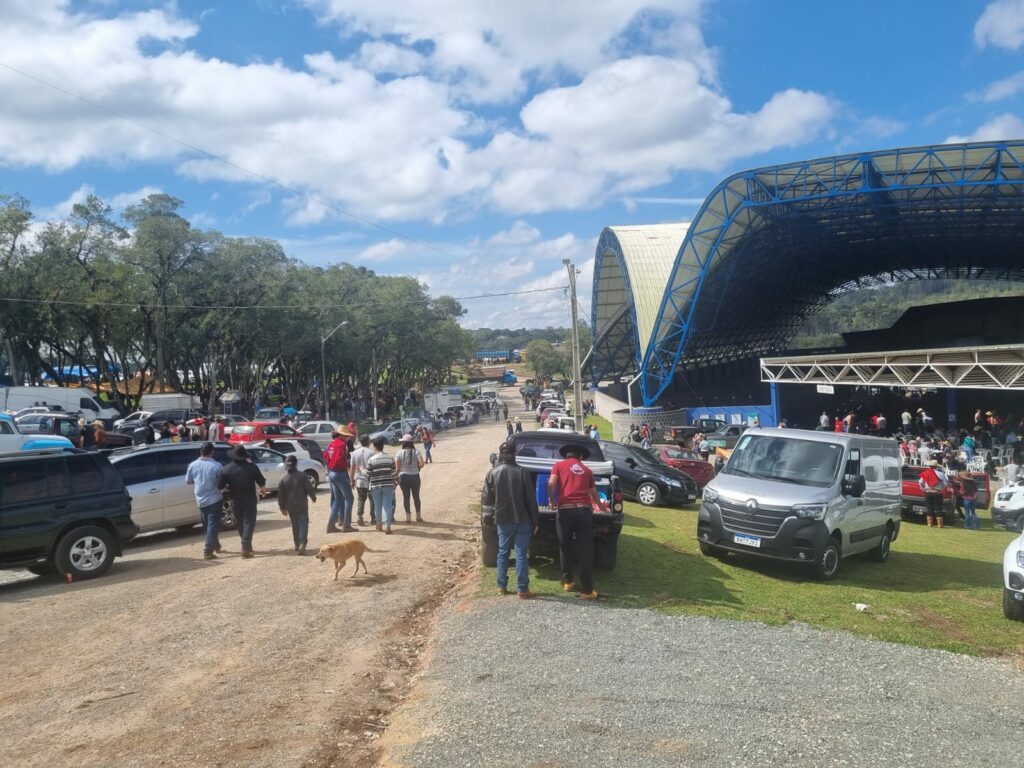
<point>572,484</point>
<point>336,459</point>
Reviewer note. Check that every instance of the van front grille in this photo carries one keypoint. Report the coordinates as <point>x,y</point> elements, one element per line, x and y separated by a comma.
<point>765,521</point>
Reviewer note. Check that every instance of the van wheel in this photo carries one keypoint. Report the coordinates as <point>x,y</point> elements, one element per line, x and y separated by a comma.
<point>1012,609</point>
<point>881,552</point>
<point>606,553</point>
<point>827,568</point>
<point>85,552</point>
<point>228,521</point>
<point>648,494</point>
<point>489,553</point>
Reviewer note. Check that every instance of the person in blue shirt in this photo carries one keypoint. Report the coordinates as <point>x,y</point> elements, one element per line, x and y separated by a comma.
<point>204,474</point>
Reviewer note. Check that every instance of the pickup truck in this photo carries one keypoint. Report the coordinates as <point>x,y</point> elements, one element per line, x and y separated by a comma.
<point>537,451</point>
<point>682,435</point>
<point>726,436</point>
<point>12,439</point>
<point>912,497</point>
<point>67,426</point>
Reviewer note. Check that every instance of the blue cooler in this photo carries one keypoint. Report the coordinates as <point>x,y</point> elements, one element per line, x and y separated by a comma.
<point>542,489</point>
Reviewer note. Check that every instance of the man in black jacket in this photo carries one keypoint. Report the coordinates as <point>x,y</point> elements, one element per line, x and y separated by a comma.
<point>509,490</point>
<point>242,478</point>
<point>294,493</point>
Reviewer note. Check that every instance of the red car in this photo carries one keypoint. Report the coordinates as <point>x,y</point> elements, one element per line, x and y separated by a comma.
<point>258,431</point>
<point>689,462</point>
<point>912,497</point>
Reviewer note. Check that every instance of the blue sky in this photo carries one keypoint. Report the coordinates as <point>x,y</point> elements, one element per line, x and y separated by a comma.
<point>504,135</point>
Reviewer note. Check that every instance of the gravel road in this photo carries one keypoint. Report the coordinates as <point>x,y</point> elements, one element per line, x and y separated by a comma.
<point>554,683</point>
<point>169,660</point>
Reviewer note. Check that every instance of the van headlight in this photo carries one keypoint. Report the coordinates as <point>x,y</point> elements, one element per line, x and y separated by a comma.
<point>810,511</point>
<point>710,495</point>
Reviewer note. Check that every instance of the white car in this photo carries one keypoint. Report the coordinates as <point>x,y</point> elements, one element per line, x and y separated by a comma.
<point>155,478</point>
<point>1008,507</point>
<point>230,422</point>
<point>134,416</point>
<point>303,448</point>
<point>320,431</point>
<point>1013,580</point>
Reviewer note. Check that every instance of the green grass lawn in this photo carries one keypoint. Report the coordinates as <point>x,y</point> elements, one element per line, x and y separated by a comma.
<point>940,588</point>
<point>604,427</point>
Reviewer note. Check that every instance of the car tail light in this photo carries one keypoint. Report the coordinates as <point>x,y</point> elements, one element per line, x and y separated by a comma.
<point>617,502</point>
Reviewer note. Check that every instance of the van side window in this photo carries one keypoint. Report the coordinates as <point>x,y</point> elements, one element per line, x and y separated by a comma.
<point>88,404</point>
<point>891,467</point>
<point>23,482</point>
<point>6,428</point>
<point>871,472</point>
<point>853,463</point>
<point>86,477</point>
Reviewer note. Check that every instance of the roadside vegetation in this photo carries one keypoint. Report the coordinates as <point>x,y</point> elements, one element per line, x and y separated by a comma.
<point>940,589</point>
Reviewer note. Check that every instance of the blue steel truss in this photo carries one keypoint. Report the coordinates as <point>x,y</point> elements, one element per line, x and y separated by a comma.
<point>769,246</point>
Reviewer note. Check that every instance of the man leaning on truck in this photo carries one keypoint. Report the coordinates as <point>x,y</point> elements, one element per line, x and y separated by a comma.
<point>509,490</point>
<point>572,484</point>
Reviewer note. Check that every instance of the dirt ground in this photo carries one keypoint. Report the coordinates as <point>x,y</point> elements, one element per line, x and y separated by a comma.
<point>170,660</point>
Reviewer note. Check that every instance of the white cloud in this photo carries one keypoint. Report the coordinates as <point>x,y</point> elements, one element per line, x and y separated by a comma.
<point>383,251</point>
<point>1001,89</point>
<point>1005,126</point>
<point>519,234</point>
<point>1001,24</point>
<point>123,200</point>
<point>62,210</point>
<point>417,143</point>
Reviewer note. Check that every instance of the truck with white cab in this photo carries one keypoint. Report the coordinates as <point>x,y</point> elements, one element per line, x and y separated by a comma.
<point>69,399</point>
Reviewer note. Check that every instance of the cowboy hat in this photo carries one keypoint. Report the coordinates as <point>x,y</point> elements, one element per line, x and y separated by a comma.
<point>581,450</point>
<point>342,432</point>
<point>239,453</point>
<point>933,463</point>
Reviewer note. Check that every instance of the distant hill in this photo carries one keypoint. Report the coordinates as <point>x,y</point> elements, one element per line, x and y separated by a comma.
<point>880,307</point>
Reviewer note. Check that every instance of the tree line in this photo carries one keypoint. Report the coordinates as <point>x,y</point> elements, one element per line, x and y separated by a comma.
<point>203,312</point>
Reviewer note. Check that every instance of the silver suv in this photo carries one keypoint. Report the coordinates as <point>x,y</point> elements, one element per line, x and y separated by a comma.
<point>155,478</point>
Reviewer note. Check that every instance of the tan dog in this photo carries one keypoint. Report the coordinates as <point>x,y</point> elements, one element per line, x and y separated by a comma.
<point>341,552</point>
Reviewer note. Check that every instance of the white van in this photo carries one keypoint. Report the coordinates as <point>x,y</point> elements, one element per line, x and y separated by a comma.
<point>68,399</point>
<point>806,497</point>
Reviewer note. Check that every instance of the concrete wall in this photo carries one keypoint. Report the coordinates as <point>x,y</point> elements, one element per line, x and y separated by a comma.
<point>617,412</point>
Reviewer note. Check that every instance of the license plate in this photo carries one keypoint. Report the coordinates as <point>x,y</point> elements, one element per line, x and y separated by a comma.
<point>747,541</point>
<point>920,509</point>
<point>691,496</point>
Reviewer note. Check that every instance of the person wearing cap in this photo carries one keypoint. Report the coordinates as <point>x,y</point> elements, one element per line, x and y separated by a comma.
<point>932,481</point>
<point>508,488</point>
<point>409,462</point>
<point>294,492</point>
<point>572,488</point>
<point>336,457</point>
<point>361,480</point>
<point>243,481</point>
<point>204,475</point>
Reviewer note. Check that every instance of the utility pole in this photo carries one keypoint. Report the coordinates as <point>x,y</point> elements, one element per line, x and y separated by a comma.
<point>323,369</point>
<point>577,382</point>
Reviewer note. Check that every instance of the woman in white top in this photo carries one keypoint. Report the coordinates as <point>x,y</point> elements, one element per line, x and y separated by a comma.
<point>409,462</point>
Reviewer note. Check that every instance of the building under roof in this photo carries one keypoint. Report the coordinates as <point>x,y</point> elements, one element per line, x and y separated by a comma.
<point>771,245</point>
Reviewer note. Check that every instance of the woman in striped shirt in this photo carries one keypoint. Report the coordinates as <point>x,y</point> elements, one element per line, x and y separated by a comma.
<point>383,478</point>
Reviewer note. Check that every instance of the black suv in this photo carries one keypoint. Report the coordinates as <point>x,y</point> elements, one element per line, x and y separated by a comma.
<point>646,479</point>
<point>537,451</point>
<point>63,511</point>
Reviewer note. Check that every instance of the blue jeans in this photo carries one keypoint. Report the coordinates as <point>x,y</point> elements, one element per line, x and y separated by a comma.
<point>300,527</point>
<point>519,535</point>
<point>341,499</point>
<point>384,502</point>
<point>970,513</point>
<point>211,515</point>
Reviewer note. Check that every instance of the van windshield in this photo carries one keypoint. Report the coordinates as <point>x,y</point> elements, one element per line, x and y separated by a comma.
<point>785,459</point>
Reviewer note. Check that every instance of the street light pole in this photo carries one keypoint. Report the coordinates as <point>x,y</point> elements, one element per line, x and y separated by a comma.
<point>577,409</point>
<point>323,369</point>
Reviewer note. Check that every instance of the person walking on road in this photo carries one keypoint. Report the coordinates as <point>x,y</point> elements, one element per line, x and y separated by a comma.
<point>519,425</point>
<point>504,411</point>
<point>571,487</point>
<point>204,474</point>
<point>409,464</point>
<point>428,444</point>
<point>383,478</point>
<point>336,459</point>
<point>509,428</point>
<point>508,489</point>
<point>360,479</point>
<point>497,415</point>
<point>244,481</point>
<point>294,492</point>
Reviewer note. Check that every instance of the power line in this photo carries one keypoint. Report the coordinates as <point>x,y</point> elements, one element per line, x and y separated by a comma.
<point>342,304</point>
<point>225,161</point>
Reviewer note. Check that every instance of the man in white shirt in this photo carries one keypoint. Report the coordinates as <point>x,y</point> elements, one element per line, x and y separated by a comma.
<point>360,479</point>
<point>1011,473</point>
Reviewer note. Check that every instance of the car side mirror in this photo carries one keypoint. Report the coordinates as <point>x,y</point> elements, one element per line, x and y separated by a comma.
<point>854,485</point>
